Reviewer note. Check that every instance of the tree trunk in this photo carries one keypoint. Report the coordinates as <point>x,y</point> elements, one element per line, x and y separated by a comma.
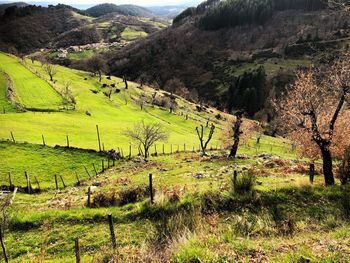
<point>234,148</point>
<point>236,134</point>
<point>327,166</point>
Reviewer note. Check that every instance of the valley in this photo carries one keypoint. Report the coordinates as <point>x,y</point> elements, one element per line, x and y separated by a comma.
<point>215,133</point>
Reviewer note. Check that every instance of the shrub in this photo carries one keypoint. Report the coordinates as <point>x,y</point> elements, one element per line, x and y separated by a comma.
<point>170,228</point>
<point>243,184</point>
<point>127,196</point>
<point>249,224</point>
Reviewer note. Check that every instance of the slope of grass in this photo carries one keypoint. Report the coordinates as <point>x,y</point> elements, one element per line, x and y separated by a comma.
<point>5,105</point>
<point>47,229</point>
<point>81,55</point>
<point>31,91</point>
<point>113,116</point>
<point>131,33</point>
<point>44,162</point>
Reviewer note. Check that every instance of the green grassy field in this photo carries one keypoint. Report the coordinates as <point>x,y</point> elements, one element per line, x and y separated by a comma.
<point>5,104</point>
<point>47,229</point>
<point>113,116</point>
<point>197,215</point>
<point>30,91</point>
<point>131,33</point>
<point>81,55</point>
<point>44,162</point>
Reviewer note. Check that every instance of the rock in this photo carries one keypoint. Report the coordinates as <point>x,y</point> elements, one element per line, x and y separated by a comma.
<point>96,183</point>
<point>265,155</point>
<point>242,156</point>
<point>258,182</point>
<point>93,188</point>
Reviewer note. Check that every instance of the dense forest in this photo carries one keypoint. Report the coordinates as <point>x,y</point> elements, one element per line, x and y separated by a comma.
<point>232,13</point>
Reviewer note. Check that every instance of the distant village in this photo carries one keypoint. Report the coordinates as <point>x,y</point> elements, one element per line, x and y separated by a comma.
<point>63,52</point>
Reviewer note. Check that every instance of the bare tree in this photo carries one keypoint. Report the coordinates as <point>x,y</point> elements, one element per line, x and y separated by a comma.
<point>145,135</point>
<point>125,82</point>
<point>141,100</point>
<point>172,105</point>
<point>50,70</point>
<point>173,85</point>
<point>236,128</point>
<point>68,95</point>
<point>313,111</point>
<point>200,134</point>
<point>193,95</point>
<point>96,66</point>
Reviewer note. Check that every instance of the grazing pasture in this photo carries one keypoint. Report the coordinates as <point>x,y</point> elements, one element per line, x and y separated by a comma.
<point>32,92</point>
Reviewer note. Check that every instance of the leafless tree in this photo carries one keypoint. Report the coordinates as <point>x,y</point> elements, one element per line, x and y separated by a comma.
<point>96,66</point>
<point>314,112</point>
<point>50,70</point>
<point>141,100</point>
<point>173,85</point>
<point>236,128</point>
<point>145,135</point>
<point>200,133</point>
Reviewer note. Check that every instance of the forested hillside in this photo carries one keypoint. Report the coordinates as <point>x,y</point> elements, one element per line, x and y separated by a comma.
<point>28,28</point>
<point>132,10</point>
<point>235,53</point>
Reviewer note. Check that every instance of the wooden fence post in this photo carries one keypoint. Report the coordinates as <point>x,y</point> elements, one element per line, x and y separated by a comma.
<point>111,230</point>
<point>171,148</point>
<point>89,197</point>
<point>151,187</point>
<point>184,147</point>
<point>130,151</point>
<point>56,183</point>
<point>43,138</point>
<point>312,173</point>
<point>86,170</point>
<point>178,148</point>
<point>3,246</point>
<point>95,169</point>
<point>37,182</point>
<point>103,166</point>
<point>13,138</point>
<point>64,185</point>
<point>29,187</point>
<point>10,180</point>
<point>98,138</point>
<point>67,141</point>
<point>163,150</point>
<point>121,151</point>
<point>235,174</point>
<point>78,180</point>
<point>155,149</point>
<point>77,250</point>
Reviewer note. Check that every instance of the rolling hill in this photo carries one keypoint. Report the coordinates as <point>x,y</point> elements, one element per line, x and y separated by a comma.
<point>31,28</point>
<point>92,108</point>
<point>128,10</point>
<point>237,53</point>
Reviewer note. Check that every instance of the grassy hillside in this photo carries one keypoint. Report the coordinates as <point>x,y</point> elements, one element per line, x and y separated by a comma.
<point>131,33</point>
<point>195,213</point>
<point>30,91</point>
<point>215,47</point>
<point>94,108</point>
<point>44,162</point>
<point>5,104</point>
